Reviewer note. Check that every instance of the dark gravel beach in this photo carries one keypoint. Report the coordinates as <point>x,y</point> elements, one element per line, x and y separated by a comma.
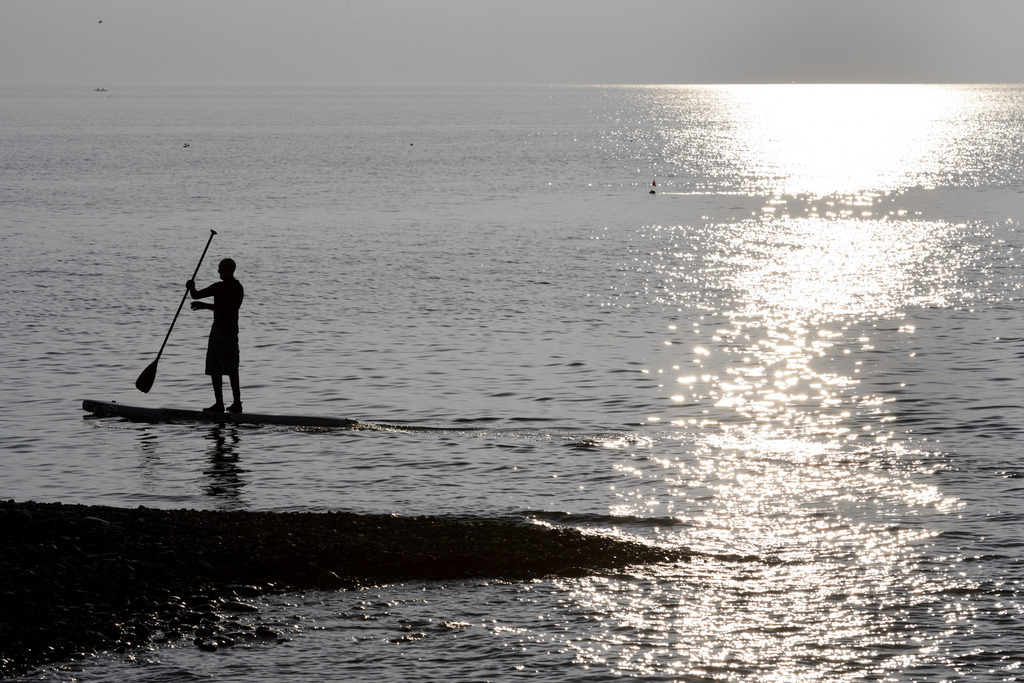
<point>76,579</point>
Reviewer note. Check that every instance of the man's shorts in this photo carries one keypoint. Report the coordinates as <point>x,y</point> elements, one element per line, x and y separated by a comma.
<point>222,352</point>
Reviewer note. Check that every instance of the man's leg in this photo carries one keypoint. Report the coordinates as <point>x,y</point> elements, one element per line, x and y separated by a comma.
<point>218,393</point>
<point>236,394</point>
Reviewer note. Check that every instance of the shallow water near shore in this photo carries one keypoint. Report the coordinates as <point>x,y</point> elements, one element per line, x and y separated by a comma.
<point>799,360</point>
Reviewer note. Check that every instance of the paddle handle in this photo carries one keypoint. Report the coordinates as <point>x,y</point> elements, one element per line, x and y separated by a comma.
<point>185,296</point>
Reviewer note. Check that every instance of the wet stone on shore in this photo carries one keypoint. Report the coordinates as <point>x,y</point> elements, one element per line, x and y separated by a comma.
<point>78,579</point>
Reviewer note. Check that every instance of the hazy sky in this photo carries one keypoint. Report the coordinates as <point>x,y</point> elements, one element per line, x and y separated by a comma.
<point>510,41</point>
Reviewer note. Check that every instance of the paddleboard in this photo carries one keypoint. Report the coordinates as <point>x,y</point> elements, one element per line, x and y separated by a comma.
<point>114,409</point>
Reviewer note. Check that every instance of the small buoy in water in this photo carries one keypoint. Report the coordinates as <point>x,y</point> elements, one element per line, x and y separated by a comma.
<point>185,145</point>
<point>654,183</point>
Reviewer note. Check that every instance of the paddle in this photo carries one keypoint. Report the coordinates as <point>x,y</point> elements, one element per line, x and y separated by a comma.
<point>145,381</point>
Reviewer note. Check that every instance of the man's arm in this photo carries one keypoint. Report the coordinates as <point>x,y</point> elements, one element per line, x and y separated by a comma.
<point>200,294</point>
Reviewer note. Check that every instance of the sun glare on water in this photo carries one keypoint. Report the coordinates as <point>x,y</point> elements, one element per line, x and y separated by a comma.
<point>784,342</point>
<point>822,140</point>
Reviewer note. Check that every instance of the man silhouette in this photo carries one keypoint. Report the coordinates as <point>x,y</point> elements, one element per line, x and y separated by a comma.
<point>222,349</point>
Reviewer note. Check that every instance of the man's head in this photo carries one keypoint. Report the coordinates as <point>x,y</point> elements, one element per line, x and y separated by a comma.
<point>226,269</point>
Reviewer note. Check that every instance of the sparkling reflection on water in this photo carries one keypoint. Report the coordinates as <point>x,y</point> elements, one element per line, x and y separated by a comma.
<point>795,333</point>
<point>795,361</point>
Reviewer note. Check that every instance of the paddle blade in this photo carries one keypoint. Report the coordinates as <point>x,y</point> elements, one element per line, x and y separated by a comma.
<point>145,381</point>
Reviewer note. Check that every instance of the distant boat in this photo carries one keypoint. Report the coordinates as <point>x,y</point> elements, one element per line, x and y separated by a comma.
<point>100,90</point>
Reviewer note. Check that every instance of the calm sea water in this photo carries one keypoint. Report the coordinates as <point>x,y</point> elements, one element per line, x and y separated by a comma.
<point>799,360</point>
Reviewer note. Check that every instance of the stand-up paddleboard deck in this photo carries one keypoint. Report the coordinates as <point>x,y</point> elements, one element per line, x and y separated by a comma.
<point>112,409</point>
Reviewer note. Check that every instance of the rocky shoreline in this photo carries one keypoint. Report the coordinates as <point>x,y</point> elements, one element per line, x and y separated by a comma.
<point>77,579</point>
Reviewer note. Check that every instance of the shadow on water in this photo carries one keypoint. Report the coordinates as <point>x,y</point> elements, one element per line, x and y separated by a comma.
<point>222,476</point>
<point>225,478</point>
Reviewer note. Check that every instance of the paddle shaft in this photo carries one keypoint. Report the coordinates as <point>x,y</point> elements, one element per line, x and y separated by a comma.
<point>185,295</point>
